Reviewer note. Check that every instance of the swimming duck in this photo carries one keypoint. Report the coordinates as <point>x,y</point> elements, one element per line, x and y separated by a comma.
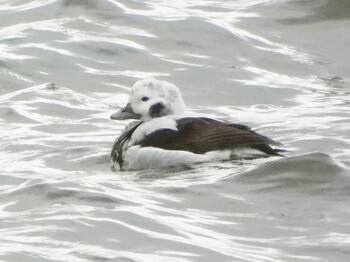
<point>166,136</point>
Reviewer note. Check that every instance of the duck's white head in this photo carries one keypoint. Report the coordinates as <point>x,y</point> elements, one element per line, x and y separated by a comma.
<point>151,98</point>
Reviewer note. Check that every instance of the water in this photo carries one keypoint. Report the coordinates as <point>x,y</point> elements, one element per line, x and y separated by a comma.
<point>280,67</point>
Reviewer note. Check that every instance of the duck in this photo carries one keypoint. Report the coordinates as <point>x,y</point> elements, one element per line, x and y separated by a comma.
<point>163,134</point>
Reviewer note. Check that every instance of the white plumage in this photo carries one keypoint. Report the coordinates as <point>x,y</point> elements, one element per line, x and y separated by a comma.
<point>166,136</point>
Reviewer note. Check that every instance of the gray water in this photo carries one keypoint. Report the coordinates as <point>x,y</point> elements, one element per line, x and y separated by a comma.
<point>281,67</point>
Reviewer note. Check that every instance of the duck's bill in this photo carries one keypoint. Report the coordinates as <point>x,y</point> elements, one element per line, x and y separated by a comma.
<point>125,113</point>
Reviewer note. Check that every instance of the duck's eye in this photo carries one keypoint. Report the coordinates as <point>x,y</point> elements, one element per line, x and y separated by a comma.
<point>145,98</point>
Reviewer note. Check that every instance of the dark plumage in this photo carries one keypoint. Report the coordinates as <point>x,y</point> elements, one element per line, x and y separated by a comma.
<point>164,138</point>
<point>117,150</point>
<point>199,136</point>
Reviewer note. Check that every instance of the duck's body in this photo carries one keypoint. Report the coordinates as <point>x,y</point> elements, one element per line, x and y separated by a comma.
<point>167,137</point>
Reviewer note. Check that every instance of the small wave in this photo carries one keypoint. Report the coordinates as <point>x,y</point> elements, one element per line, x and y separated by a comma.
<point>312,171</point>
<point>47,103</point>
<point>29,195</point>
<point>54,126</point>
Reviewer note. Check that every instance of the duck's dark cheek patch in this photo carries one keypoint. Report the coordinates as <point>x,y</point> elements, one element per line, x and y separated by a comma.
<point>157,110</point>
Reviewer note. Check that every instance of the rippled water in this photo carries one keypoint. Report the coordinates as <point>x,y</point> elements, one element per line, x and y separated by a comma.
<point>282,67</point>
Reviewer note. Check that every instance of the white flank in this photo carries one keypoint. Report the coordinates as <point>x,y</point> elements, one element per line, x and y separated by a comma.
<point>137,157</point>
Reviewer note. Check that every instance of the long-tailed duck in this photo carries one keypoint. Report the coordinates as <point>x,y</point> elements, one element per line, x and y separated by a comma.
<point>166,136</point>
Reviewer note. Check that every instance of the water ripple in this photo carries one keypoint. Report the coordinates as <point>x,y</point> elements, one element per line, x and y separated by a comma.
<point>254,62</point>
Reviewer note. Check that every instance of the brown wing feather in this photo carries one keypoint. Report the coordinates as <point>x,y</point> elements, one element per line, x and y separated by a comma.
<point>201,135</point>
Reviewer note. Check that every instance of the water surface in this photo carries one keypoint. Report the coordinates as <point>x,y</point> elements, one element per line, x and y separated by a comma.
<point>281,67</point>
